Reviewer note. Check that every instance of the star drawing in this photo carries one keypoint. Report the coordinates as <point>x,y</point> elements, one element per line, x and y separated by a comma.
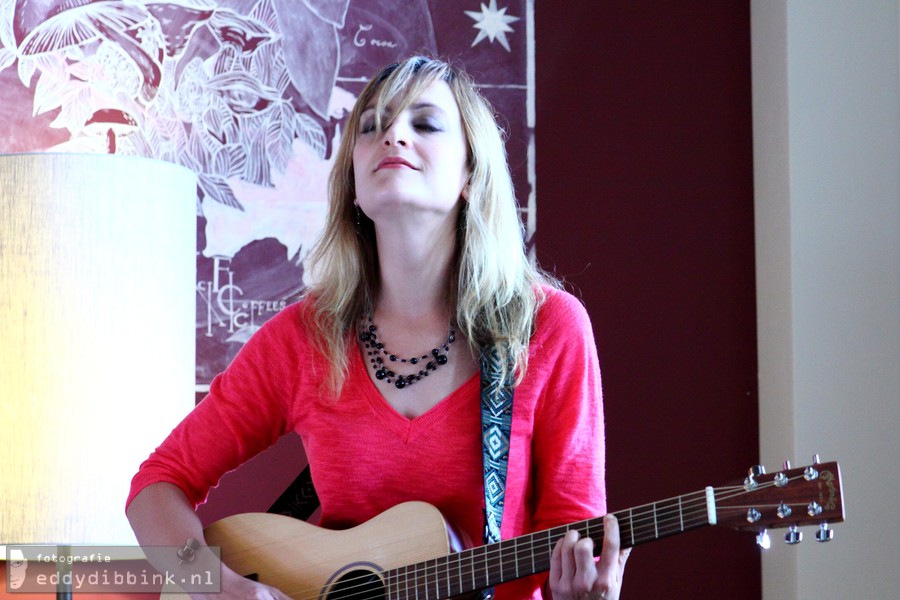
<point>492,23</point>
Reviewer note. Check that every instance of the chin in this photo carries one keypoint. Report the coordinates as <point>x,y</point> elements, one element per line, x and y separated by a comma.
<point>406,207</point>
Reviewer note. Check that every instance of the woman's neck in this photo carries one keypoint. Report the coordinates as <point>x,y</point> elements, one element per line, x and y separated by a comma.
<point>415,265</point>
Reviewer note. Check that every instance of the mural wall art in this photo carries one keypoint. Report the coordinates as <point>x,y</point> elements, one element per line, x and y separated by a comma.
<point>251,96</point>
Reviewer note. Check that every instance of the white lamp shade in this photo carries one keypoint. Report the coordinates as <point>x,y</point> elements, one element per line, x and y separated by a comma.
<point>97,346</point>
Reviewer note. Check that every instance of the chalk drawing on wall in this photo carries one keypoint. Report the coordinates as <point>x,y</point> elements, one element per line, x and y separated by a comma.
<point>250,95</point>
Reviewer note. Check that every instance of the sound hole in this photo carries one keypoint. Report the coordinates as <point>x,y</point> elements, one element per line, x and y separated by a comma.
<point>358,585</point>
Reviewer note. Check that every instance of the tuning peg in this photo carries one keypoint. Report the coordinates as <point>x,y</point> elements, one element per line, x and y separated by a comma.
<point>780,479</point>
<point>762,539</point>
<point>783,511</point>
<point>793,535</point>
<point>750,482</point>
<point>824,534</point>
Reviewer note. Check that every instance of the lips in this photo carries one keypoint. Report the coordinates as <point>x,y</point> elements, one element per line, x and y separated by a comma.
<point>394,162</point>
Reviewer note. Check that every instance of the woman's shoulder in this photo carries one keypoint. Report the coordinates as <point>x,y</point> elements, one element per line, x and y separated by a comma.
<point>562,322</point>
<point>291,316</point>
<point>286,326</point>
<point>560,307</point>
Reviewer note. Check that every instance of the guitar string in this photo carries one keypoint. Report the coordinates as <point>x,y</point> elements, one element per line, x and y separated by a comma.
<point>436,581</point>
<point>420,570</point>
<point>419,574</point>
<point>693,511</point>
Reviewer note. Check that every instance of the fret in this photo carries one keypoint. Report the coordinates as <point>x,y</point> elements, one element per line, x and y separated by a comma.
<point>458,575</point>
<point>479,560</point>
<point>425,577</point>
<point>666,522</point>
<point>488,568</point>
<point>436,579</point>
<point>524,554</point>
<point>499,559</point>
<point>441,570</point>
<point>462,569</point>
<point>401,582</point>
<point>516,556</point>
<point>403,592</point>
<point>541,548</point>
<point>631,519</point>
<point>504,567</point>
<point>415,585</point>
<point>416,581</point>
<point>655,523</point>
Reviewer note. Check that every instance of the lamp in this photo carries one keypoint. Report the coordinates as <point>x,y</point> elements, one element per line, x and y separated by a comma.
<point>97,336</point>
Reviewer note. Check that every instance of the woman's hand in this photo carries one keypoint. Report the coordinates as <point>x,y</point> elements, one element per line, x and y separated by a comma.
<point>235,587</point>
<point>575,575</point>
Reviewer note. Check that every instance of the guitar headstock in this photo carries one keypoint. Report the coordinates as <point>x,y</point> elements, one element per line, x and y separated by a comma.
<point>790,498</point>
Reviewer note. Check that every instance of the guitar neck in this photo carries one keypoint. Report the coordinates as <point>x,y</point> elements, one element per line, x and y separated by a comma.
<point>790,498</point>
<point>486,566</point>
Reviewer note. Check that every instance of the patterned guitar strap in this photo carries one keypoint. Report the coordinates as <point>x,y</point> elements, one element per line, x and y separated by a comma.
<point>496,424</point>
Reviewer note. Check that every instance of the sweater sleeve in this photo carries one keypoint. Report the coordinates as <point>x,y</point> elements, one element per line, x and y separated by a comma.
<point>568,444</point>
<point>247,409</point>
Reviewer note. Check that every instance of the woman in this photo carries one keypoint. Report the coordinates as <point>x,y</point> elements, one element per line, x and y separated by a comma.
<point>420,269</point>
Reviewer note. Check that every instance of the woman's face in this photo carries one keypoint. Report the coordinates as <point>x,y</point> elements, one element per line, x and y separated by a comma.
<point>418,163</point>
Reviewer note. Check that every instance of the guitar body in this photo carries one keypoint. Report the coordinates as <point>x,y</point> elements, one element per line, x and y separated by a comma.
<point>306,562</point>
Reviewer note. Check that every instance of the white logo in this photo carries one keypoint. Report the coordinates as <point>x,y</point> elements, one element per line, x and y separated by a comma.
<point>17,567</point>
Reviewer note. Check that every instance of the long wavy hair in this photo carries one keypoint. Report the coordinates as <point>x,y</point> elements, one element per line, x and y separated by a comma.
<point>495,289</point>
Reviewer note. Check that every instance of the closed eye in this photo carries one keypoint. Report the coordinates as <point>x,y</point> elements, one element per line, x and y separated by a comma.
<point>367,126</point>
<point>427,126</point>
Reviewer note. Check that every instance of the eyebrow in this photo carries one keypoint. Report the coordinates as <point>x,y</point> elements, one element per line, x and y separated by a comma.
<point>415,106</point>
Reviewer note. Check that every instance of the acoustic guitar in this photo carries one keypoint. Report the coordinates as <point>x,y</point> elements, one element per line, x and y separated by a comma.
<point>408,552</point>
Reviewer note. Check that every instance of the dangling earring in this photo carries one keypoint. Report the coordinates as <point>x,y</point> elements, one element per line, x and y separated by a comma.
<point>358,218</point>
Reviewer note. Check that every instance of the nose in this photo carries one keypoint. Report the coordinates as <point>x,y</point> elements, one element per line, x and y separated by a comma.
<point>396,134</point>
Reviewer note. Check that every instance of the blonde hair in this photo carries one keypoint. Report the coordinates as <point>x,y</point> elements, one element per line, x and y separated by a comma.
<point>496,290</point>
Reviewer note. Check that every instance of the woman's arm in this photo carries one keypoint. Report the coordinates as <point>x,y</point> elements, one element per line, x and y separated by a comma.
<point>161,515</point>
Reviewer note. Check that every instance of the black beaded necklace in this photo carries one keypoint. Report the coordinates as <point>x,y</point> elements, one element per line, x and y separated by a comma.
<point>378,354</point>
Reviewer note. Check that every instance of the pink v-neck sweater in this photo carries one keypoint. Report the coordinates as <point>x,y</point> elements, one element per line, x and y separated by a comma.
<point>365,457</point>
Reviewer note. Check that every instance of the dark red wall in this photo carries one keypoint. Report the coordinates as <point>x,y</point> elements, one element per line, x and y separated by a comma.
<point>645,206</point>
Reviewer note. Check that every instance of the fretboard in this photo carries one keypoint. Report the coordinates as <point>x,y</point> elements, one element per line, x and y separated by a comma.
<point>486,566</point>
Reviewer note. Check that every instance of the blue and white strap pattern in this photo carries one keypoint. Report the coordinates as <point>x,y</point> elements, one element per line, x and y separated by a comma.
<point>496,423</point>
